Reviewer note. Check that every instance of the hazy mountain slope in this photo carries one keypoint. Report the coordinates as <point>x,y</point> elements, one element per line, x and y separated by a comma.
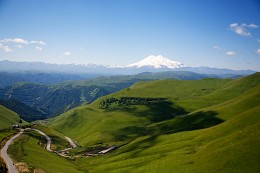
<point>10,78</point>
<point>26,112</point>
<point>52,99</point>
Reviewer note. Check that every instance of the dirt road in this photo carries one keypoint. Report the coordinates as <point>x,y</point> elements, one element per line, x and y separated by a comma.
<point>9,163</point>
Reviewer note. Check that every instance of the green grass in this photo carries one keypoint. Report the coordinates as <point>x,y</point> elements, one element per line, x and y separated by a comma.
<point>5,133</point>
<point>210,125</point>
<point>96,126</point>
<point>228,147</point>
<point>26,149</point>
<point>90,125</point>
<point>8,118</point>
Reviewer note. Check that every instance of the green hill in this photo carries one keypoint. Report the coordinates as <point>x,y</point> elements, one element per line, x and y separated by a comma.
<point>90,125</point>
<point>8,118</point>
<point>209,125</point>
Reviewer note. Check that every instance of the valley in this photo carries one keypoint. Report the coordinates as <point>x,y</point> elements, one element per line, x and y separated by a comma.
<point>156,126</point>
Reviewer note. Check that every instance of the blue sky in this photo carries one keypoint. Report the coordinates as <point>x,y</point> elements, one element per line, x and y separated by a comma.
<point>222,33</point>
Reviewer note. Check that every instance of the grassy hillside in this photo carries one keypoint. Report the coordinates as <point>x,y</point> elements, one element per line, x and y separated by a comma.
<point>210,125</point>
<point>8,118</point>
<point>90,125</point>
<point>228,147</point>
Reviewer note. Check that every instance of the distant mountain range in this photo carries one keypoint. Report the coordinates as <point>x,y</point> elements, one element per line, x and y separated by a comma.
<point>149,64</point>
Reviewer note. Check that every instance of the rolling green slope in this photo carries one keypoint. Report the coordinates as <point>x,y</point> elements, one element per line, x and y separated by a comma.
<point>228,147</point>
<point>7,118</point>
<point>91,125</point>
<point>210,125</point>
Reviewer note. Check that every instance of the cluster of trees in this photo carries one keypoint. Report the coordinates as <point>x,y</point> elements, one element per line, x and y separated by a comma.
<point>128,101</point>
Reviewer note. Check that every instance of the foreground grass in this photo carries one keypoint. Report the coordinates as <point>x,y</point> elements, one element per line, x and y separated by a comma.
<point>26,149</point>
<point>228,147</point>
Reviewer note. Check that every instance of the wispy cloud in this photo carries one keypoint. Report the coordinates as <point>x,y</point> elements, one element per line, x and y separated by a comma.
<point>21,41</point>
<point>67,53</point>
<point>257,51</point>
<point>38,42</point>
<point>242,29</point>
<point>252,26</point>
<point>14,40</point>
<point>5,48</point>
<point>217,47</point>
<point>6,43</point>
<point>38,48</point>
<point>231,53</point>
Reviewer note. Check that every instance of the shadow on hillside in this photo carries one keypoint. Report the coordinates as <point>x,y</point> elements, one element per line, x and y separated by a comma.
<point>199,120</point>
<point>157,112</point>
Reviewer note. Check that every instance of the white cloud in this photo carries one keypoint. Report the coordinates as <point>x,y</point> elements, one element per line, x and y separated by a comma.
<point>14,40</point>
<point>38,48</point>
<point>21,41</point>
<point>231,53</point>
<point>38,42</point>
<point>5,48</point>
<point>240,30</point>
<point>252,26</point>
<point>257,51</point>
<point>67,53</point>
<point>217,47</point>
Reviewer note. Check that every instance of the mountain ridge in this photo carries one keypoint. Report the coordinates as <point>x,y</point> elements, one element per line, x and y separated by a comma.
<point>152,63</point>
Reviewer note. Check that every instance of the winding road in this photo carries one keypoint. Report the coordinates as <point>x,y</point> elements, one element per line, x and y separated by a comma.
<point>9,163</point>
<point>72,144</point>
<point>48,146</point>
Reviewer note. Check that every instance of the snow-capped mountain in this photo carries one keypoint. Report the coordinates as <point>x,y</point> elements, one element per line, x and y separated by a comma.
<point>151,63</point>
<point>158,61</point>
